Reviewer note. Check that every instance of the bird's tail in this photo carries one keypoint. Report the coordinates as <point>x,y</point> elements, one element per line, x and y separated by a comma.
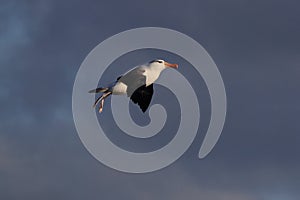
<point>97,90</point>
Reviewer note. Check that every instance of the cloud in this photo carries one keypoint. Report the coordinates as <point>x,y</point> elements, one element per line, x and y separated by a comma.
<point>254,44</point>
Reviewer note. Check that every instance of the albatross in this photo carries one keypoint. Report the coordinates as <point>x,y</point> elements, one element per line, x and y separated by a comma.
<point>137,84</point>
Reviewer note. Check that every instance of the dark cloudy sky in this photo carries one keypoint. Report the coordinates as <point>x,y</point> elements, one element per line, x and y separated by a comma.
<point>256,46</point>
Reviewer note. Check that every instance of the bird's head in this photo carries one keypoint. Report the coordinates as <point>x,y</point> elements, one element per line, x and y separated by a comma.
<point>159,63</point>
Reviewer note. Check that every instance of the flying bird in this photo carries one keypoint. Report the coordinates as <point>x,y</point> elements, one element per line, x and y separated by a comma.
<point>137,84</point>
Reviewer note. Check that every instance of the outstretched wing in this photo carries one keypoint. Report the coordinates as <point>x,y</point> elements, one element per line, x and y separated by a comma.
<point>142,96</point>
<point>133,79</point>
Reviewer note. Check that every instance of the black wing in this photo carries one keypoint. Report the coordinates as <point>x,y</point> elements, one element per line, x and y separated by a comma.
<point>142,96</point>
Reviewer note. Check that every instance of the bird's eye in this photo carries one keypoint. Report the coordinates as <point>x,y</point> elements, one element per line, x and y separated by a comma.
<point>159,61</point>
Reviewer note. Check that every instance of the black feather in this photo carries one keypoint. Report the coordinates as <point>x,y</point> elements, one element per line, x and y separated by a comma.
<point>97,90</point>
<point>142,96</point>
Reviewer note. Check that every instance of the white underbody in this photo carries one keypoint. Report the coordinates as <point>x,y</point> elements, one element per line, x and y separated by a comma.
<point>119,89</point>
<point>151,73</point>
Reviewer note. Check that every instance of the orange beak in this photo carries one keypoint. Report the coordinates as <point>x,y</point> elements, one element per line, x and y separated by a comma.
<point>171,65</point>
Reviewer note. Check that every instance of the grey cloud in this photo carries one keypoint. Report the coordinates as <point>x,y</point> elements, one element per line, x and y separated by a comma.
<point>256,47</point>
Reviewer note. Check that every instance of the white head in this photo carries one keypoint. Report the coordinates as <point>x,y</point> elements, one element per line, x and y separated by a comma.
<point>161,64</point>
